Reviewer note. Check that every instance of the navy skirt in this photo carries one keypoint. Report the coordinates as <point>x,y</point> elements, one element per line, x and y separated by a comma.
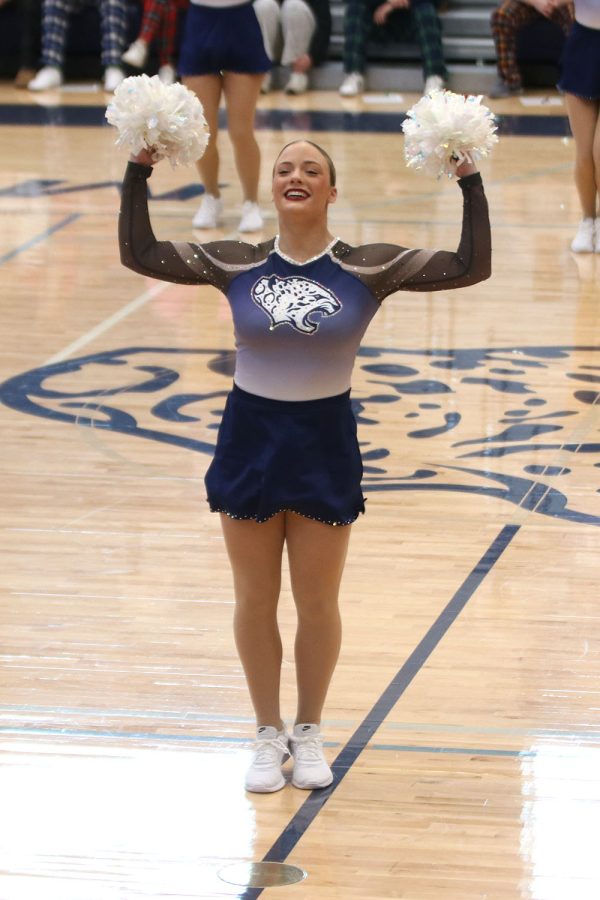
<point>222,39</point>
<point>580,63</point>
<point>276,455</point>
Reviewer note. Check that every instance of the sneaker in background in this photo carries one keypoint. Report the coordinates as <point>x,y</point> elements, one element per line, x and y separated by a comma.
<point>297,84</point>
<point>209,212</point>
<point>352,85</point>
<point>252,219</point>
<point>47,78</point>
<point>434,83</point>
<point>136,54</point>
<point>113,76</point>
<point>167,74</point>
<point>586,238</point>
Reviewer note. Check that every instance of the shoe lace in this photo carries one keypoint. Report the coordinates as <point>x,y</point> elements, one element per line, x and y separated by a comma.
<point>266,750</point>
<point>309,748</point>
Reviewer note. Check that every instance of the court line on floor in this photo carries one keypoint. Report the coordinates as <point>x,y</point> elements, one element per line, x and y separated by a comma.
<point>38,238</point>
<point>108,323</point>
<point>232,742</point>
<point>349,754</point>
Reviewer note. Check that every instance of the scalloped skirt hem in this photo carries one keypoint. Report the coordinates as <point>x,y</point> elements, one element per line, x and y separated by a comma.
<point>265,518</point>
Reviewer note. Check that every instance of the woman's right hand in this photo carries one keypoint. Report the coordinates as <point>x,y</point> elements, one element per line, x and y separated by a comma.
<point>144,158</point>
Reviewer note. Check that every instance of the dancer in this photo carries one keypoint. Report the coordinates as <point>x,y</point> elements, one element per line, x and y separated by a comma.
<point>223,53</point>
<point>580,82</point>
<point>287,467</point>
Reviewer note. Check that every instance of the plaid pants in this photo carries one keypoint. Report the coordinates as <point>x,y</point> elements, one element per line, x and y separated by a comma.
<point>160,21</point>
<point>419,23</point>
<point>508,19</point>
<point>55,20</point>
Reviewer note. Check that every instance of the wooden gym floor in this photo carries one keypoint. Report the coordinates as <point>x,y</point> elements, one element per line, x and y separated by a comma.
<point>464,717</point>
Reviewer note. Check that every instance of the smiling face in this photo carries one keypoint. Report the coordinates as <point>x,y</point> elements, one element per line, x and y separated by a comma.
<point>302,181</point>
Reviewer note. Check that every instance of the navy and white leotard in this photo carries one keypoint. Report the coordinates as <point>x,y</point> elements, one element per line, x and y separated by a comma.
<point>298,326</point>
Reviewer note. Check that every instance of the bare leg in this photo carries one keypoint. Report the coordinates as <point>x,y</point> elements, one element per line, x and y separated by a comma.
<point>208,90</point>
<point>255,553</point>
<point>583,116</point>
<point>317,554</point>
<point>241,95</point>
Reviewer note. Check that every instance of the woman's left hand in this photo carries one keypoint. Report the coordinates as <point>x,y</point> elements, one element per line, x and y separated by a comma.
<point>461,170</point>
<point>144,158</point>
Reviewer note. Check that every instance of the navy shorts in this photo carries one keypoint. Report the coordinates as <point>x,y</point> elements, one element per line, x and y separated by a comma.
<point>275,455</point>
<point>222,39</point>
<point>580,63</point>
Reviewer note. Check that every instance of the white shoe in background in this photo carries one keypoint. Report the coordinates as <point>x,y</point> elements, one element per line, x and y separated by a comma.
<point>434,83</point>
<point>47,78</point>
<point>209,212</point>
<point>113,76</point>
<point>136,54</point>
<point>297,84</point>
<point>352,85</point>
<point>597,245</point>
<point>252,219</point>
<point>584,240</point>
<point>167,74</point>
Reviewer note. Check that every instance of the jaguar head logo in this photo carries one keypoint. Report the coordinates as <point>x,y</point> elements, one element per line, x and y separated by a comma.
<point>293,300</point>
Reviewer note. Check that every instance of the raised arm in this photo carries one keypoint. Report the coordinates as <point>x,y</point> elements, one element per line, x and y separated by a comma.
<point>387,268</point>
<point>216,263</point>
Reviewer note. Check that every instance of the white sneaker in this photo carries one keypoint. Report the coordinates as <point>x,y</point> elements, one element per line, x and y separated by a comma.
<point>267,83</point>
<point>584,240</point>
<point>113,76</point>
<point>136,54</point>
<point>297,84</point>
<point>310,766</point>
<point>252,219</point>
<point>167,74</point>
<point>597,246</point>
<point>209,212</point>
<point>352,85</point>
<point>434,83</point>
<point>47,78</point>
<point>271,750</point>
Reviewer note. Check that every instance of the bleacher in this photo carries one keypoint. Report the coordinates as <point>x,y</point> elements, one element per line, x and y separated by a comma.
<point>468,47</point>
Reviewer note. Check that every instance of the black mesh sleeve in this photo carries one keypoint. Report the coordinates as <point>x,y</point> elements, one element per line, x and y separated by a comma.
<point>386,268</point>
<point>216,263</point>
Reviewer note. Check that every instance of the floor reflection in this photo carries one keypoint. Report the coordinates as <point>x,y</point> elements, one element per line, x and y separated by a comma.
<point>561,822</point>
<point>90,823</point>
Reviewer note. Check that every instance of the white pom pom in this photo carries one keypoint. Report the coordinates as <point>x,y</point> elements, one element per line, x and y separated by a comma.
<point>167,120</point>
<point>443,128</point>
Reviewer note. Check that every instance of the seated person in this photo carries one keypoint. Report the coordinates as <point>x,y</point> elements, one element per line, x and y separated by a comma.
<point>296,33</point>
<point>55,23</point>
<point>159,20</point>
<point>397,20</point>
<point>509,17</point>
